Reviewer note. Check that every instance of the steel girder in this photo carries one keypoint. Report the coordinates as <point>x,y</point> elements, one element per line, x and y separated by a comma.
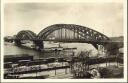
<point>87,33</point>
<point>26,35</point>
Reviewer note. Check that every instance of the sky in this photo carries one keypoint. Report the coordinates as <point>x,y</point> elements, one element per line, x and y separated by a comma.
<point>106,18</point>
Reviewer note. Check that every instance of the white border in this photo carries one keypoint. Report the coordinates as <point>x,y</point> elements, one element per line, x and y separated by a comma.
<point>66,80</point>
<point>65,1</point>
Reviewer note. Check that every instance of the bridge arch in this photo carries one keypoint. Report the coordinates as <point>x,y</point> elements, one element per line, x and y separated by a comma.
<point>26,35</point>
<point>90,36</point>
<point>76,28</point>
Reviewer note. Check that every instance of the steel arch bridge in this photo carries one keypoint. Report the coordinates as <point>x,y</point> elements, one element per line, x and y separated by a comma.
<point>25,35</point>
<point>64,33</point>
<point>79,34</point>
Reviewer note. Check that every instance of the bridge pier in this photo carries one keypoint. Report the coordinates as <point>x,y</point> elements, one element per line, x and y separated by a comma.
<point>17,42</point>
<point>39,44</point>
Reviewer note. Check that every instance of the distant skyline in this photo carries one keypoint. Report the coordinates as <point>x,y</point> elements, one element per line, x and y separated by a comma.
<point>106,18</point>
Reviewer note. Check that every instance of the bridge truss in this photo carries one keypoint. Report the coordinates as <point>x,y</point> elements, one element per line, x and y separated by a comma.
<point>64,33</point>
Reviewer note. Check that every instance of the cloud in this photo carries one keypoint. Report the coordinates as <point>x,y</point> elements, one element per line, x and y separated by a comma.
<point>103,17</point>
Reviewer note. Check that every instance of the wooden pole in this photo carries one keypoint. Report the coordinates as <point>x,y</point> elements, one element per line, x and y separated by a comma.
<point>117,60</point>
<point>55,70</point>
<point>66,71</point>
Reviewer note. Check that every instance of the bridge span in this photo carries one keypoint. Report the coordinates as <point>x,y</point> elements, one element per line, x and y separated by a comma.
<point>63,33</point>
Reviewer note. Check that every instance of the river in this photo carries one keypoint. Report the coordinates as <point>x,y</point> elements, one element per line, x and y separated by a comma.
<point>12,49</point>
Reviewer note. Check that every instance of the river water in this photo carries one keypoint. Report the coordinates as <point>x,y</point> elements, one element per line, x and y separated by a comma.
<point>12,49</point>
